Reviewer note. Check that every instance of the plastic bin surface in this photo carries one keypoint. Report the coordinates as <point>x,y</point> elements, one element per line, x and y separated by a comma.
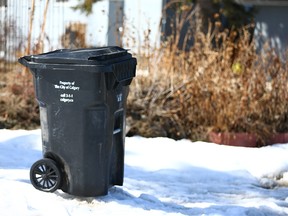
<point>82,97</point>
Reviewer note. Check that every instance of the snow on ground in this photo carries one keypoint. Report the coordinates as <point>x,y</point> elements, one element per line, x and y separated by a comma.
<point>162,177</point>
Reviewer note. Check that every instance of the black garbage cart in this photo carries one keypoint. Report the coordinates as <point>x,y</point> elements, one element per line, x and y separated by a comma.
<point>82,98</point>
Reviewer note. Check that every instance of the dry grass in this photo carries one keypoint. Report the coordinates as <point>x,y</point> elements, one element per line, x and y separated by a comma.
<point>18,106</point>
<point>221,84</point>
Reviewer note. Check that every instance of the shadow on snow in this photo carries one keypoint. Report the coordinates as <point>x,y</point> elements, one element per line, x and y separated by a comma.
<point>18,155</point>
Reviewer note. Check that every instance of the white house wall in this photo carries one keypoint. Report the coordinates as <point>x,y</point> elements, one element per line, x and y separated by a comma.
<point>97,21</point>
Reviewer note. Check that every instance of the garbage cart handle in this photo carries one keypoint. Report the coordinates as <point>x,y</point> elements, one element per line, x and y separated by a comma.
<point>124,70</point>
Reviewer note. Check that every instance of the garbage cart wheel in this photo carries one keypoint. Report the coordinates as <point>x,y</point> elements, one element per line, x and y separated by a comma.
<point>45,175</point>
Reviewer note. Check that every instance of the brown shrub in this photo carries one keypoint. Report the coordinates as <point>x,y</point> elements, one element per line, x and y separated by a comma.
<point>221,84</point>
<point>19,108</point>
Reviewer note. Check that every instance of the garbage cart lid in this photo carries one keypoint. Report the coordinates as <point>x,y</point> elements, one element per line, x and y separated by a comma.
<point>78,56</point>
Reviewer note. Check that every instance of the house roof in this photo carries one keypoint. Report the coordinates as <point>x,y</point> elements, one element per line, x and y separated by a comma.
<point>264,2</point>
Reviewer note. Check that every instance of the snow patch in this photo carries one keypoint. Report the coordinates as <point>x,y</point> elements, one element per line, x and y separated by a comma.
<point>162,177</point>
